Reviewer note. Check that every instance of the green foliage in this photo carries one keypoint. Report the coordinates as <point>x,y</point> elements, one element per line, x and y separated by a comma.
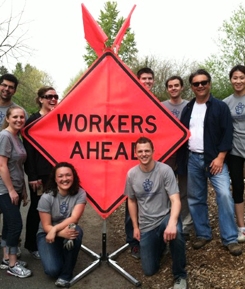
<point>3,70</point>
<point>30,80</point>
<point>72,82</point>
<point>111,24</point>
<point>163,69</point>
<point>231,43</point>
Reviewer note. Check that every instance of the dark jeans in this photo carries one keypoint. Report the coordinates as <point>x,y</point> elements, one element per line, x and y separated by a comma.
<point>33,219</point>
<point>129,228</point>
<point>12,223</point>
<point>58,262</point>
<point>152,246</point>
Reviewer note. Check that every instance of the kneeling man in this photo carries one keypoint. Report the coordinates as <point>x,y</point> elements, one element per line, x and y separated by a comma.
<point>154,207</point>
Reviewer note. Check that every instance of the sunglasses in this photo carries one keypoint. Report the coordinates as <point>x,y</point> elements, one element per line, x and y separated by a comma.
<point>203,83</point>
<point>50,96</point>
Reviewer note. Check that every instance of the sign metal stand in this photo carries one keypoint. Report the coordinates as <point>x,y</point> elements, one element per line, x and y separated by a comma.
<point>102,258</point>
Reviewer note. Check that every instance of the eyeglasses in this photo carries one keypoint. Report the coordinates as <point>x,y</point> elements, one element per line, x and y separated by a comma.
<point>50,96</point>
<point>203,83</point>
<point>9,86</point>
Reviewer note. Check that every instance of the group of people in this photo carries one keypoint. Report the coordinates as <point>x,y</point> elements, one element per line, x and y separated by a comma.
<point>166,201</point>
<point>163,213</point>
<point>57,198</point>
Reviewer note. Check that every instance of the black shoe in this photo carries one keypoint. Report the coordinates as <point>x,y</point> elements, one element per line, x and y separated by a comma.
<point>135,252</point>
<point>199,243</point>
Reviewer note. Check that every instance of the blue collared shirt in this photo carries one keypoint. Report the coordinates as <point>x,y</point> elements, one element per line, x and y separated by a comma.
<point>218,131</point>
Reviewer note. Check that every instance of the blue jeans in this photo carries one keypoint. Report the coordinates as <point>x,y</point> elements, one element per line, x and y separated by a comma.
<point>152,246</point>
<point>129,228</point>
<point>58,262</point>
<point>197,199</point>
<point>12,224</point>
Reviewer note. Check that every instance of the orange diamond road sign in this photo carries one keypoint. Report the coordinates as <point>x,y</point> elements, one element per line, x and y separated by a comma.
<point>96,125</point>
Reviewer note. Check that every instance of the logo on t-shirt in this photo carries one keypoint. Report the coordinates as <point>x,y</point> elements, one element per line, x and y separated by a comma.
<point>147,185</point>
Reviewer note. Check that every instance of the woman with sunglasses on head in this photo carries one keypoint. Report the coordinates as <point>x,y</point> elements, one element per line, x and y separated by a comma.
<point>12,190</point>
<point>59,236</point>
<point>236,157</point>
<point>37,169</point>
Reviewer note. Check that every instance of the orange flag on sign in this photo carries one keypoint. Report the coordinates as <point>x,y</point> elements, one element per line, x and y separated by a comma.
<point>121,33</point>
<point>95,36</point>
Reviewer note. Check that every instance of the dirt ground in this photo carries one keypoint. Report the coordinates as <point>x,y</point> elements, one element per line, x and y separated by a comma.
<point>210,267</point>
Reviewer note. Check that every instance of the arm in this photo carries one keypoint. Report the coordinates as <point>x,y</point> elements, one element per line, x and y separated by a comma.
<point>31,163</point>
<point>216,165</point>
<point>133,211</point>
<point>171,229</point>
<point>4,173</point>
<point>61,229</point>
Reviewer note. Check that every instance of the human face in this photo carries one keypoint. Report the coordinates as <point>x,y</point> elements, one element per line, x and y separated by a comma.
<point>174,89</point>
<point>64,179</point>
<point>202,91</point>
<point>147,80</point>
<point>238,83</point>
<point>7,90</point>
<point>47,103</point>
<point>16,119</point>
<point>144,154</point>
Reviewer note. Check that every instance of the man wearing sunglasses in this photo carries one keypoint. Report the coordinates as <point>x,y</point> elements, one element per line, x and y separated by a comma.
<point>210,125</point>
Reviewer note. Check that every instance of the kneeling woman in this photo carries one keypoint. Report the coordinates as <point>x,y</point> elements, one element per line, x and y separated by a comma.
<point>61,205</point>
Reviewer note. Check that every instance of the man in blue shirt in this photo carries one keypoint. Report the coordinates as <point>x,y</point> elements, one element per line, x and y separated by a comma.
<point>210,124</point>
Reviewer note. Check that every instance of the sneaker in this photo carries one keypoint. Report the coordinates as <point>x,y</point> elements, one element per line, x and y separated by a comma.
<point>180,283</point>
<point>199,243</point>
<point>5,264</point>
<point>35,254</point>
<point>241,237</point>
<point>62,283</point>
<point>19,271</point>
<point>234,248</point>
<point>135,252</point>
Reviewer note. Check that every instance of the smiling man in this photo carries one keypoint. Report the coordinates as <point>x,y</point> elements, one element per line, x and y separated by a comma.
<point>210,124</point>
<point>8,86</point>
<point>174,86</point>
<point>154,207</point>
<point>146,77</point>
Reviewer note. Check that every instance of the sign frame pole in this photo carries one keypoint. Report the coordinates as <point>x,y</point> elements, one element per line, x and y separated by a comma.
<point>102,258</point>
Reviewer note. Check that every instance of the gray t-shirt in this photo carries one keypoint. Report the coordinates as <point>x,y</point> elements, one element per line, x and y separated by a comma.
<point>12,148</point>
<point>3,111</point>
<point>176,109</point>
<point>152,191</point>
<point>236,105</point>
<point>59,207</point>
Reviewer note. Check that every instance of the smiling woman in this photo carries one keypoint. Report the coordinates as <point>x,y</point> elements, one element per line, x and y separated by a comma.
<point>37,168</point>
<point>59,236</point>
<point>12,190</point>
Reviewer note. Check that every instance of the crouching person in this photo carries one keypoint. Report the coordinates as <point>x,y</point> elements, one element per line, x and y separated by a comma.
<point>154,207</point>
<point>59,237</point>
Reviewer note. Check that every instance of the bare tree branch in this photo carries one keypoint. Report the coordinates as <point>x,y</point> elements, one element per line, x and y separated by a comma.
<point>13,36</point>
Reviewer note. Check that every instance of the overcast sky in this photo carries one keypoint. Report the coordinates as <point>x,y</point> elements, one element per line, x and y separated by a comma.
<point>174,29</point>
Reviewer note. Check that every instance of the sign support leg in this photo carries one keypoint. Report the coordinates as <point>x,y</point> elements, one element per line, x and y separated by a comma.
<point>105,258</point>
